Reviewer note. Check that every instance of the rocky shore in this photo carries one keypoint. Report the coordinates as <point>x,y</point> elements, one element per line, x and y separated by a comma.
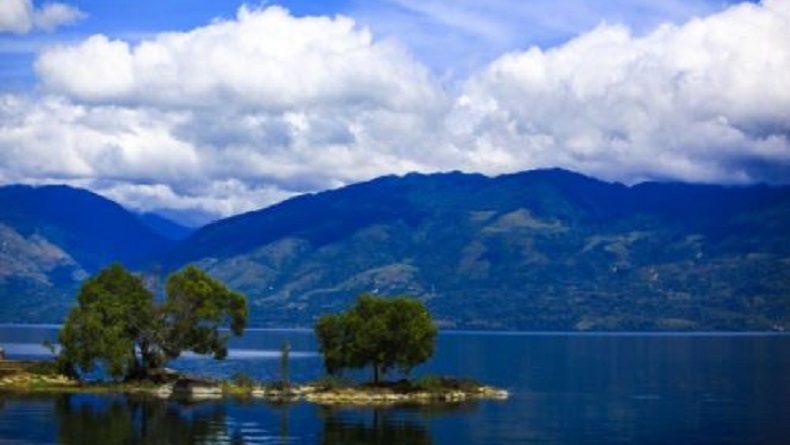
<point>377,396</point>
<point>27,378</point>
<point>351,395</point>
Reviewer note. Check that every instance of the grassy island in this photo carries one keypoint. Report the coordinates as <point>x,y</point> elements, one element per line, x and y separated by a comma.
<point>42,377</point>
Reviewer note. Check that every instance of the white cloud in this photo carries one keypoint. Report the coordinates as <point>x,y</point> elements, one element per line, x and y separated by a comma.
<point>57,139</point>
<point>54,15</point>
<point>16,16</point>
<point>307,102</point>
<point>705,101</point>
<point>278,103</point>
<point>242,113</point>
<point>222,197</point>
<point>461,36</point>
<point>264,59</point>
<point>21,17</point>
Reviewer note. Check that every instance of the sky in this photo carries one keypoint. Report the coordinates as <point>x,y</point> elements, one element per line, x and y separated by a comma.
<point>200,109</point>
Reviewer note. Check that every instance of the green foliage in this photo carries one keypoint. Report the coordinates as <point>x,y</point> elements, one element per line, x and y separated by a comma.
<point>384,333</point>
<point>438,384</point>
<point>335,339</point>
<point>243,380</point>
<point>196,307</point>
<point>113,311</point>
<point>332,381</point>
<point>43,369</point>
<point>116,316</point>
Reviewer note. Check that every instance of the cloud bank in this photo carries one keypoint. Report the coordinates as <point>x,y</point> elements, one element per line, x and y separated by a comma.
<point>245,112</point>
<point>21,17</point>
<point>705,101</point>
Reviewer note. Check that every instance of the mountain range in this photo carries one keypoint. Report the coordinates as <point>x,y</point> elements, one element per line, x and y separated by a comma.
<point>53,237</point>
<point>538,250</point>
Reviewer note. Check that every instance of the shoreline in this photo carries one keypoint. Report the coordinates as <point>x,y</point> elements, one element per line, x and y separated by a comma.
<point>442,391</point>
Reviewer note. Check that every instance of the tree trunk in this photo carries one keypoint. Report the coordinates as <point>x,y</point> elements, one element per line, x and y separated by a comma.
<point>376,373</point>
<point>135,363</point>
<point>145,355</point>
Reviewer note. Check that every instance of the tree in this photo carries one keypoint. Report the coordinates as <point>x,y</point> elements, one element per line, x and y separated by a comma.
<point>285,354</point>
<point>335,342</point>
<point>384,333</point>
<point>196,307</point>
<point>118,323</point>
<point>114,312</point>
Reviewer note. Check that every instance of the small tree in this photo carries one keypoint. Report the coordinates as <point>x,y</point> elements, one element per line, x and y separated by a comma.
<point>117,322</point>
<point>384,333</point>
<point>285,356</point>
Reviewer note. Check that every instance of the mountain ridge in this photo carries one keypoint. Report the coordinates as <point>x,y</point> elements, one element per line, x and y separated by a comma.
<point>536,250</point>
<point>554,233</point>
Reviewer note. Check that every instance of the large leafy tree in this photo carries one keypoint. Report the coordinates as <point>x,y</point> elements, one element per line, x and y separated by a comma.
<point>196,307</point>
<point>114,311</point>
<point>118,323</point>
<point>380,332</point>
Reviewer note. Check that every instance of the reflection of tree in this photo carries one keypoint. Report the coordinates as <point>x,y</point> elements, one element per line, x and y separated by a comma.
<point>376,426</point>
<point>285,423</point>
<point>430,411</point>
<point>109,420</point>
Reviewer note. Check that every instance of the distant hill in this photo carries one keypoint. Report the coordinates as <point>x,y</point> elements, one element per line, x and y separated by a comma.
<point>539,250</point>
<point>543,250</point>
<point>52,237</point>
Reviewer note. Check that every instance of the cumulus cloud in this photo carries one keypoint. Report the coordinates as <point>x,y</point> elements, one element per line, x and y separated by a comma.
<point>280,104</point>
<point>245,112</point>
<point>264,59</point>
<point>21,17</point>
<point>705,101</point>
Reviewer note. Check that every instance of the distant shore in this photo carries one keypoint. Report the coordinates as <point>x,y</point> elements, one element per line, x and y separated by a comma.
<point>777,330</point>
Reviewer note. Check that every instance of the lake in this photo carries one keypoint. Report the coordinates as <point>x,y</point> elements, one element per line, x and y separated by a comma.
<point>565,389</point>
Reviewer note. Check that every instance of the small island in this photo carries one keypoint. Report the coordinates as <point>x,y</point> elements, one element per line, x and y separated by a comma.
<point>41,377</point>
<point>118,325</point>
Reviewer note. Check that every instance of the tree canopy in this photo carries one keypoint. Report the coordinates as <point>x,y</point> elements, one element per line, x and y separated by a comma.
<point>117,321</point>
<point>384,333</point>
<point>196,307</point>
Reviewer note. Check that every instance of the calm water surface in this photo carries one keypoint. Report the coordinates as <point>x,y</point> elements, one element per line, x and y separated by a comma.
<point>566,389</point>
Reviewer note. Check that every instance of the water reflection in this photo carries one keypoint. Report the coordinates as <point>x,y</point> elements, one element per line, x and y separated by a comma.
<point>384,426</point>
<point>374,426</point>
<point>72,419</point>
<point>86,419</point>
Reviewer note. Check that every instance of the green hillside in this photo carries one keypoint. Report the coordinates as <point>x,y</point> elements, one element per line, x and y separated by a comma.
<point>541,250</point>
<point>53,237</point>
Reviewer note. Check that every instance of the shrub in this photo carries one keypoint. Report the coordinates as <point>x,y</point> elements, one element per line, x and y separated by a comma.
<point>243,380</point>
<point>432,383</point>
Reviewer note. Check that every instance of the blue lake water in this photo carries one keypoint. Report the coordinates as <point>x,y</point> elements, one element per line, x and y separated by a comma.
<point>565,389</point>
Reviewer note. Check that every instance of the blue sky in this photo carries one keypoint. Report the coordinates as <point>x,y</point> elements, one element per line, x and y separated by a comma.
<point>451,37</point>
<point>214,107</point>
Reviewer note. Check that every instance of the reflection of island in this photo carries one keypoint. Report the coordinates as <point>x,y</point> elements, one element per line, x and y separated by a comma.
<point>122,419</point>
<point>382,426</point>
<point>374,426</point>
